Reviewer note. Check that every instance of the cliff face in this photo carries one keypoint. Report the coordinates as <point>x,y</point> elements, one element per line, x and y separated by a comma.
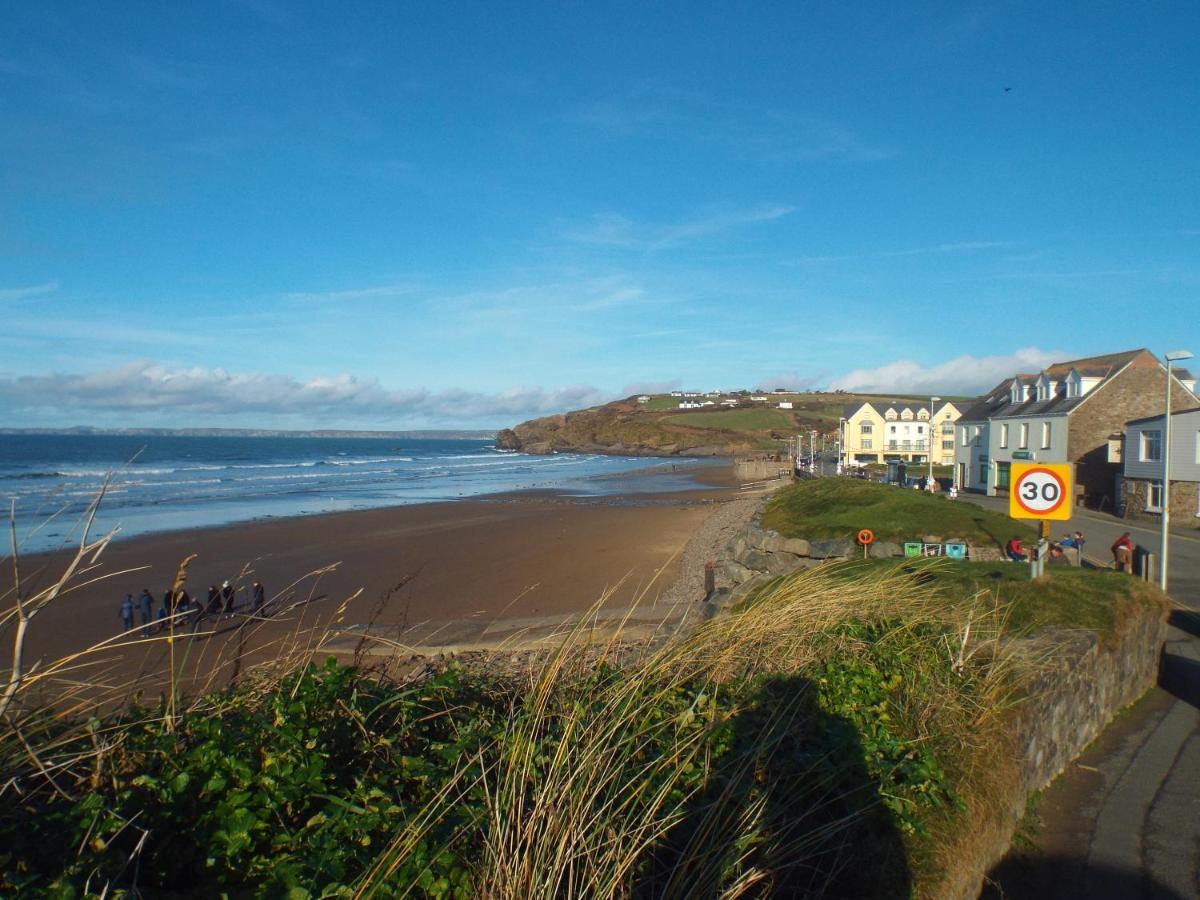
<point>624,429</point>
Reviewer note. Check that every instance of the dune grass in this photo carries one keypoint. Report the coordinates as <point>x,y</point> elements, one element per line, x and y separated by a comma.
<point>840,507</point>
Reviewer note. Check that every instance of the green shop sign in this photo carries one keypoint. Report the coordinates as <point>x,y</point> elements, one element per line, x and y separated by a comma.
<point>1022,454</point>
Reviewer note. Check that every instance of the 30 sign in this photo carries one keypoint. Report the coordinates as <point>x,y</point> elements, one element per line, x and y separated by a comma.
<point>1040,491</point>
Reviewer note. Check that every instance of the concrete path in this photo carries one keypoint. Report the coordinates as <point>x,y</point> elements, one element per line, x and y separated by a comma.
<point>1124,821</point>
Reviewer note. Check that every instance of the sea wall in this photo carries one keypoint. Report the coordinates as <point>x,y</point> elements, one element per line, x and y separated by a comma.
<point>760,469</point>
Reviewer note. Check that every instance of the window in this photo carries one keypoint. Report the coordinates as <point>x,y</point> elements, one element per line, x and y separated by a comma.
<point>1154,497</point>
<point>867,428</point>
<point>983,474</point>
<point>1045,435</point>
<point>1151,446</point>
<point>892,429</point>
<point>866,444</point>
<point>1004,435</point>
<point>1024,435</point>
<point>947,445</point>
<point>890,415</point>
<point>947,427</point>
<point>966,440</point>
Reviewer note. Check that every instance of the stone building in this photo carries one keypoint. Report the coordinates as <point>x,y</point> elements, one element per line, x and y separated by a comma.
<point>1144,452</point>
<point>1071,412</point>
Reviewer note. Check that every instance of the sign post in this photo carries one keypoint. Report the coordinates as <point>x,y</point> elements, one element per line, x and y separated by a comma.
<point>1040,492</point>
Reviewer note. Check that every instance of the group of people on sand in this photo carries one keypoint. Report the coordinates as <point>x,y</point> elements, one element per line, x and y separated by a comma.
<point>220,602</point>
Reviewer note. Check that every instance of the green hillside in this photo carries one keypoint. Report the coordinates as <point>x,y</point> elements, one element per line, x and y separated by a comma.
<point>658,427</point>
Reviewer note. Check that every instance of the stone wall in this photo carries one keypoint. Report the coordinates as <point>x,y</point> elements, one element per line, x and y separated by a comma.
<point>1085,682</point>
<point>1136,392</point>
<point>1184,498</point>
<point>756,556</point>
<point>760,469</point>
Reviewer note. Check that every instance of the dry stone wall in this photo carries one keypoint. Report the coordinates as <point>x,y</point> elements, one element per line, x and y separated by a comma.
<point>1085,683</point>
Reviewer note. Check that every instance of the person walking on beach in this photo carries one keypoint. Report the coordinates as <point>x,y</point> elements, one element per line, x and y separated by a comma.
<point>258,597</point>
<point>127,612</point>
<point>146,604</point>
<point>160,617</point>
<point>213,606</point>
<point>227,599</point>
<point>1122,551</point>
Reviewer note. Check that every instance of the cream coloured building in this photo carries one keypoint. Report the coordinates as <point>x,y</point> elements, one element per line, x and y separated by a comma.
<point>875,433</point>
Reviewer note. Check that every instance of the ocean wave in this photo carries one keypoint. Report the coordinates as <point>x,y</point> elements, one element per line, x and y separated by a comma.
<point>25,476</point>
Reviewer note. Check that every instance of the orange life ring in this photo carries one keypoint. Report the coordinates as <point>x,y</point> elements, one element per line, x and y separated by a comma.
<point>866,536</point>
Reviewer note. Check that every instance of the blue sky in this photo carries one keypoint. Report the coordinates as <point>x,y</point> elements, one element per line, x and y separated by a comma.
<point>403,215</point>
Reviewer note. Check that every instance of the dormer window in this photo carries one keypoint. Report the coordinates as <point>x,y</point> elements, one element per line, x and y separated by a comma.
<point>906,414</point>
<point>923,415</point>
<point>890,415</point>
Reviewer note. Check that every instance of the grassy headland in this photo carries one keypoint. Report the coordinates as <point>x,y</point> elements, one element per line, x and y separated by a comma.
<point>659,427</point>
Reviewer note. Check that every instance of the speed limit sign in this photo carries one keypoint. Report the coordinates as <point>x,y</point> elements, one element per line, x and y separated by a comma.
<point>1040,491</point>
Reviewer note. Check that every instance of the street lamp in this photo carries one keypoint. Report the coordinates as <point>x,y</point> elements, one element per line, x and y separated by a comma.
<point>1173,356</point>
<point>929,442</point>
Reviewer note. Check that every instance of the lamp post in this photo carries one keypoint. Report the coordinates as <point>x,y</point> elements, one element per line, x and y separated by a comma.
<point>843,454</point>
<point>1173,356</point>
<point>929,441</point>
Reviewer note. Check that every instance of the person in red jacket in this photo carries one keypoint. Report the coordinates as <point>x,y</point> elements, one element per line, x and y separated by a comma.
<point>1014,551</point>
<point>1122,551</point>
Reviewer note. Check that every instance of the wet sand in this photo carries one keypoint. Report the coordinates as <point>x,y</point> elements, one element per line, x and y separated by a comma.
<point>514,555</point>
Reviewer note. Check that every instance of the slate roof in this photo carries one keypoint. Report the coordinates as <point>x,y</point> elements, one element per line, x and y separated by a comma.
<point>1101,367</point>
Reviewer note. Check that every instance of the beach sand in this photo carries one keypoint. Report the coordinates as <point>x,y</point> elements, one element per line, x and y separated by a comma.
<point>516,555</point>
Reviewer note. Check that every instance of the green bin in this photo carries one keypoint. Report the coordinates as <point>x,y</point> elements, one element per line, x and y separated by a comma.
<point>912,548</point>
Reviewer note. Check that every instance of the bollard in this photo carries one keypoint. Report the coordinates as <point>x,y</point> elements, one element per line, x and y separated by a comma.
<point>1147,567</point>
<point>710,578</point>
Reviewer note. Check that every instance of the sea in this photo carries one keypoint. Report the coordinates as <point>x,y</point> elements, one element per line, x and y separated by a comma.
<point>159,483</point>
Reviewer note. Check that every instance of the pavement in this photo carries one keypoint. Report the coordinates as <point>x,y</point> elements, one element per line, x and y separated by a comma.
<point>1124,820</point>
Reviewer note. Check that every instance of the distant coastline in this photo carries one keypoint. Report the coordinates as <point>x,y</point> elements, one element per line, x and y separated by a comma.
<point>430,434</point>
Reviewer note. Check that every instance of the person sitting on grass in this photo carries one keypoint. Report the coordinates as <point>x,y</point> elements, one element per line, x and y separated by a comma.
<point>1014,551</point>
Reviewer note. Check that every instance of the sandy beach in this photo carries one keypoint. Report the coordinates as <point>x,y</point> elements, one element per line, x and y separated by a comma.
<point>514,555</point>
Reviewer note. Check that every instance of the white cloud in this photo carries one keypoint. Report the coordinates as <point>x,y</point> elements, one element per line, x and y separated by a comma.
<point>961,375</point>
<point>34,290</point>
<point>947,247</point>
<point>616,230</point>
<point>369,293</point>
<point>146,386</point>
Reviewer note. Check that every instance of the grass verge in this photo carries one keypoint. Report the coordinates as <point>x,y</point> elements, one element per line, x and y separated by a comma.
<point>840,507</point>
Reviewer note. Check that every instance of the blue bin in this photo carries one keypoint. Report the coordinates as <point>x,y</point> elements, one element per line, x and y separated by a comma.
<point>956,551</point>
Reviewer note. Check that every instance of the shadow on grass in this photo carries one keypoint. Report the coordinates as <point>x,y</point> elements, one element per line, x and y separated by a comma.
<point>789,810</point>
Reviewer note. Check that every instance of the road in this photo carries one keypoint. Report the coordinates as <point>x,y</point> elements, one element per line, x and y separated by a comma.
<point>1124,821</point>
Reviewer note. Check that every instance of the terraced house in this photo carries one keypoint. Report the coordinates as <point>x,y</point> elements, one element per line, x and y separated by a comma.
<point>1071,412</point>
<point>876,433</point>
